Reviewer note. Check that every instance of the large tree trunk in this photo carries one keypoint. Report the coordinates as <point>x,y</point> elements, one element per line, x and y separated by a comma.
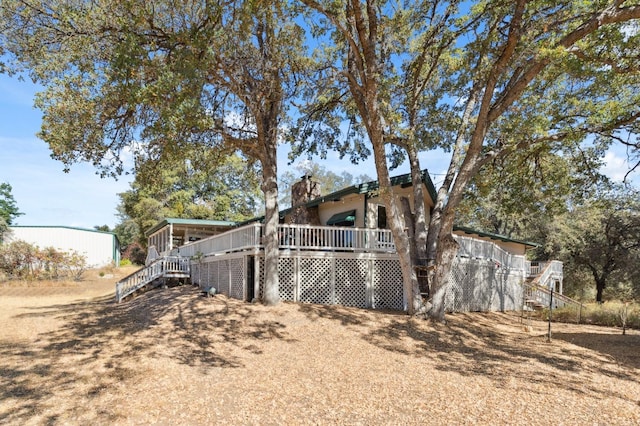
<point>271,295</point>
<point>447,247</point>
<point>412,300</point>
<point>447,250</point>
<point>599,290</point>
<point>419,209</point>
<point>601,284</point>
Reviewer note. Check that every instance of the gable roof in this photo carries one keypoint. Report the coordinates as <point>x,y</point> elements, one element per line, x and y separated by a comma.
<point>362,188</point>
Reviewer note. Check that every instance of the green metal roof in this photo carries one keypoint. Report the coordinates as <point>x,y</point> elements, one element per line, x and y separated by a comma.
<point>364,188</point>
<point>188,222</point>
<point>492,236</point>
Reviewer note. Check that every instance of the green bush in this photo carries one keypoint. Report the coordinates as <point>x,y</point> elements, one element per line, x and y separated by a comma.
<point>125,262</point>
<point>21,260</point>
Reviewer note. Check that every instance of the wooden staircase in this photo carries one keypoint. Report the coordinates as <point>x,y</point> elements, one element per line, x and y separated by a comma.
<point>537,288</point>
<point>154,274</point>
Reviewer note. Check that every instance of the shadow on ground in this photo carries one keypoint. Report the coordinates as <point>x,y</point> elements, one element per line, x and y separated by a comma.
<point>100,345</point>
<point>495,345</point>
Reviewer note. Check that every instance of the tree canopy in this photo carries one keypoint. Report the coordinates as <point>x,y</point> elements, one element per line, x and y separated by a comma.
<point>152,78</point>
<point>485,80</point>
<point>8,207</point>
<point>206,187</point>
<point>599,241</point>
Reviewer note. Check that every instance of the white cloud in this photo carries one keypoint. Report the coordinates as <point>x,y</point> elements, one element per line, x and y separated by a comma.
<point>615,166</point>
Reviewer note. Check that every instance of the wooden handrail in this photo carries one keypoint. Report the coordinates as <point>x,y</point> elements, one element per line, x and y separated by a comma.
<point>151,272</point>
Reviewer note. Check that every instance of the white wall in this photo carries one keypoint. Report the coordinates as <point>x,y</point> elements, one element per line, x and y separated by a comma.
<point>100,248</point>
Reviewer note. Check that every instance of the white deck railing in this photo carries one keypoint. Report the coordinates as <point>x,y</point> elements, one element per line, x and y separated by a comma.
<point>295,237</point>
<point>246,237</point>
<point>549,268</point>
<point>156,269</point>
<point>546,273</point>
<point>479,249</point>
<point>332,238</point>
<point>536,294</point>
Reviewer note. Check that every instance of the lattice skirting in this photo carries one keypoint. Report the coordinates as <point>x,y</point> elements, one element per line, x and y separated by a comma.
<point>227,274</point>
<point>361,280</point>
<point>348,279</point>
<point>483,285</point>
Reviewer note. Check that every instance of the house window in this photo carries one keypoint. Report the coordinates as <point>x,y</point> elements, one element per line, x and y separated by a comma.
<point>347,218</point>
<point>382,217</point>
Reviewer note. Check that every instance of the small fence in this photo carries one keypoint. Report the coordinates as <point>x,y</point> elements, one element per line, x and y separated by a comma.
<point>162,267</point>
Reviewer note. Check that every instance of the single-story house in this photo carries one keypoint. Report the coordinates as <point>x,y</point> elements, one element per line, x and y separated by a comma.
<point>337,248</point>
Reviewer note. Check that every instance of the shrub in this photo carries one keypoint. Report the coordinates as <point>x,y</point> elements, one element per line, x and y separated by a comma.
<point>21,260</point>
<point>135,253</point>
<point>125,262</point>
<point>610,314</point>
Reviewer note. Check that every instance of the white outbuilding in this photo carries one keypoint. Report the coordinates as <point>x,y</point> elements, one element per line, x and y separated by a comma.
<point>99,247</point>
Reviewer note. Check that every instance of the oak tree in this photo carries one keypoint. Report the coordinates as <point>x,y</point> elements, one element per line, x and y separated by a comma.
<point>155,77</point>
<point>483,80</point>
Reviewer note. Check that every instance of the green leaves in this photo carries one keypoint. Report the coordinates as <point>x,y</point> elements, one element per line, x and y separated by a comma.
<point>8,206</point>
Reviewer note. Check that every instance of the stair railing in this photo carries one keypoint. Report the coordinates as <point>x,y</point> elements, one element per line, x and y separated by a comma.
<point>540,294</point>
<point>149,273</point>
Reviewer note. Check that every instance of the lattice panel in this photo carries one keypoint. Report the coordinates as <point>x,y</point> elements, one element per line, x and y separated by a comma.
<point>237,287</point>
<point>195,273</point>
<point>481,285</point>
<point>212,275</point>
<point>454,300</point>
<point>351,282</point>
<point>260,280</point>
<point>223,277</point>
<point>286,272</point>
<point>387,285</point>
<point>315,281</point>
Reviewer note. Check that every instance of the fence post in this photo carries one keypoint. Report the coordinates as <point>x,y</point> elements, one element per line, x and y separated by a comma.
<point>550,310</point>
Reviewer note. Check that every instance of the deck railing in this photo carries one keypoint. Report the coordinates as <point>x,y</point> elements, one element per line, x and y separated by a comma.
<point>544,272</point>
<point>246,237</point>
<point>479,249</point>
<point>295,237</point>
<point>308,237</point>
<point>156,269</point>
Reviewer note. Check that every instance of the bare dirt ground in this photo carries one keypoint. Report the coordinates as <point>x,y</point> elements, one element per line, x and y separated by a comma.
<point>70,355</point>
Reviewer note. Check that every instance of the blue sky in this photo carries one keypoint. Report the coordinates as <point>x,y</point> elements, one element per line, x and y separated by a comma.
<point>48,196</point>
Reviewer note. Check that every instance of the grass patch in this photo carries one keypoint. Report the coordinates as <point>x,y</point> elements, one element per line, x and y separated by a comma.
<point>610,314</point>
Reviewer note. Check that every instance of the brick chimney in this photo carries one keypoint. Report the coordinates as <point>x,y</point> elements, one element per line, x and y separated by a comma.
<point>302,192</point>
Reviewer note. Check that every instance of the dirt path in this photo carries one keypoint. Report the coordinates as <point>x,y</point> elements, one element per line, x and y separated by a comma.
<point>171,356</point>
